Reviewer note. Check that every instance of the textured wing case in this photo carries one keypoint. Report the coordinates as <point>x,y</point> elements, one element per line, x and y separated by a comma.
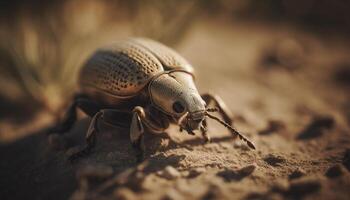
<point>168,57</point>
<point>122,69</point>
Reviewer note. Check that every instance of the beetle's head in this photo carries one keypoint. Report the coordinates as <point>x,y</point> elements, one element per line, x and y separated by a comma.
<point>175,94</point>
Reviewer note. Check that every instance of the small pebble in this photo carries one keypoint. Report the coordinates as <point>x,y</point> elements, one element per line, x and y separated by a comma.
<point>247,170</point>
<point>235,175</point>
<point>186,174</point>
<point>169,172</point>
<point>196,172</point>
<point>274,160</point>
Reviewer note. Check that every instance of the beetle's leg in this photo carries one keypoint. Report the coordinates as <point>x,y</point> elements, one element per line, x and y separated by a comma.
<point>121,118</point>
<point>107,115</point>
<point>204,131</point>
<point>90,138</point>
<point>136,132</point>
<point>220,104</point>
<point>142,119</point>
<point>87,106</point>
<point>227,115</point>
<point>224,111</point>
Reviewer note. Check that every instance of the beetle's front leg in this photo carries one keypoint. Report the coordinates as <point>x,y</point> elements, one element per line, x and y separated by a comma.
<point>140,121</point>
<point>90,137</point>
<point>204,130</point>
<point>224,111</point>
<point>227,115</point>
<point>111,116</point>
<point>136,132</point>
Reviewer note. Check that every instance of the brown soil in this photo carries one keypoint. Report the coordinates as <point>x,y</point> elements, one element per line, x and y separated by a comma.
<point>289,92</point>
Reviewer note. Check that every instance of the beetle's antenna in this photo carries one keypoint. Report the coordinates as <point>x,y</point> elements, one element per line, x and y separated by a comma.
<point>212,109</point>
<point>242,137</point>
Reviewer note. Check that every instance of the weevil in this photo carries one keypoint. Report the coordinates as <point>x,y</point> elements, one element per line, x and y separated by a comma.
<point>146,86</point>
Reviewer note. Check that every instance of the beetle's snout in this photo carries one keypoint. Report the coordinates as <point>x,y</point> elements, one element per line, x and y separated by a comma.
<point>195,120</point>
<point>195,124</point>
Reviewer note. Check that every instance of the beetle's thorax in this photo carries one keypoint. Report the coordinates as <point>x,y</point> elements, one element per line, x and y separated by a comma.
<point>175,94</point>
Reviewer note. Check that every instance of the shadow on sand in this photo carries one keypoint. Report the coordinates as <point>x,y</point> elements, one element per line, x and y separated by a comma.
<point>32,168</point>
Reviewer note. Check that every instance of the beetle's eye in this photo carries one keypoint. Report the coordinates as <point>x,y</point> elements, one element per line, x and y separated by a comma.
<point>178,107</point>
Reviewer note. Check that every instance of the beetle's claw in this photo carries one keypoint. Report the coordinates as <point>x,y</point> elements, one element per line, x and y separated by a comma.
<point>206,138</point>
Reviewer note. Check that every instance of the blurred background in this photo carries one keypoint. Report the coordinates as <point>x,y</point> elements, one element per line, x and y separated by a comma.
<point>43,44</point>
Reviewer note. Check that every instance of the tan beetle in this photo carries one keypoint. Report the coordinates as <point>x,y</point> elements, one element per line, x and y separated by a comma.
<point>145,85</point>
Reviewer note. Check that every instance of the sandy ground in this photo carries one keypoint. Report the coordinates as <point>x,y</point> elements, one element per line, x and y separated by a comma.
<point>289,92</point>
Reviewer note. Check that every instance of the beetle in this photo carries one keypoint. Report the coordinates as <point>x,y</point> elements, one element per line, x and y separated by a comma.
<point>146,86</point>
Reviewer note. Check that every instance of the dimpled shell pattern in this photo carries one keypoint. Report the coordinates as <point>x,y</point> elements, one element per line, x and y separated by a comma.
<point>123,69</point>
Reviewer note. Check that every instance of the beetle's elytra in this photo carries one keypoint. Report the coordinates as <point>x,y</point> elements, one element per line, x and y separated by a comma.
<point>143,85</point>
